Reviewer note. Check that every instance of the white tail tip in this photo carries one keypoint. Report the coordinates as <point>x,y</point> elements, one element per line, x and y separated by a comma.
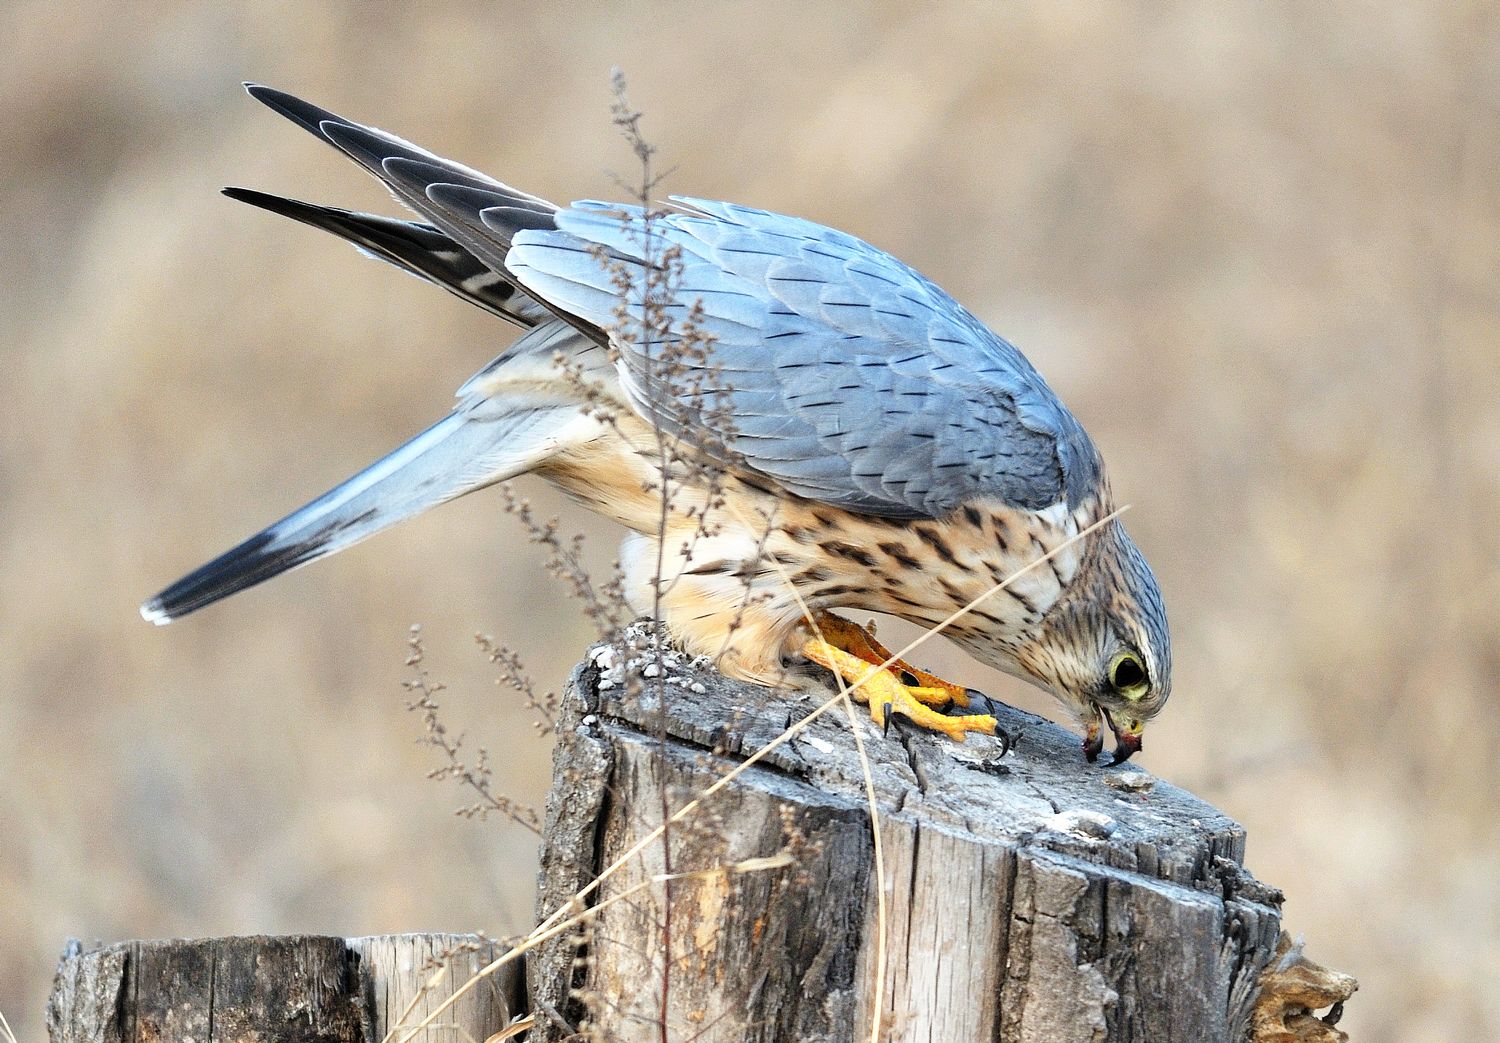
<point>152,612</point>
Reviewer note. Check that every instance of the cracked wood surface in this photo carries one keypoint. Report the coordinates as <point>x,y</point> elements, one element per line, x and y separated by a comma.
<point>296,989</point>
<point>1030,897</point>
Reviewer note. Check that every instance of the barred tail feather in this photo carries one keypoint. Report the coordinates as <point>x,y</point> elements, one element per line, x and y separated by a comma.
<point>459,454</point>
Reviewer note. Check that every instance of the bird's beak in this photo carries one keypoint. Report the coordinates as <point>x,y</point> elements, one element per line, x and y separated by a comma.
<point>1127,739</point>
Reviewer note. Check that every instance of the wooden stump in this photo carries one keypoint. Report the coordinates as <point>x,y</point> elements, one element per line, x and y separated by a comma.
<point>301,989</point>
<point>1029,897</point>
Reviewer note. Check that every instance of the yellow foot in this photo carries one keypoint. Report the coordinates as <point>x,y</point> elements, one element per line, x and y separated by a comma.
<point>860,641</point>
<point>883,689</point>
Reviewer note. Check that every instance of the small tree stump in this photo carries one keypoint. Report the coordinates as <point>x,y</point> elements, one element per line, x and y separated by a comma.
<point>301,989</point>
<point>1029,897</point>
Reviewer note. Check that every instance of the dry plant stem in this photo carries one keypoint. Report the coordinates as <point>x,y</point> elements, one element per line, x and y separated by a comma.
<point>558,922</point>
<point>656,281</point>
<point>477,778</point>
<point>878,1003</point>
<point>877,847</point>
<point>513,673</point>
<point>411,1005</point>
<point>674,365</point>
<point>605,607</point>
<point>525,1024</point>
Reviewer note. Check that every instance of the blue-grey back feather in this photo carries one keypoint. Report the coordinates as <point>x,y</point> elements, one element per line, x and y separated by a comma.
<point>852,379</point>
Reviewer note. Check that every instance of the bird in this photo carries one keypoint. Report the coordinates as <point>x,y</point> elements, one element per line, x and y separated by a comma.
<point>863,442</point>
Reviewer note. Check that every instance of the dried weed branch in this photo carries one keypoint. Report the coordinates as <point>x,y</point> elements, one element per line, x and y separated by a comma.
<point>514,676</point>
<point>604,604</point>
<point>478,777</point>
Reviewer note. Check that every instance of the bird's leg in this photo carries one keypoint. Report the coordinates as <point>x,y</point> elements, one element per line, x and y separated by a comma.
<point>860,641</point>
<point>883,689</point>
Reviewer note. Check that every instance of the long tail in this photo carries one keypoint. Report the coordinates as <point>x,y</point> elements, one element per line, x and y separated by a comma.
<point>467,450</point>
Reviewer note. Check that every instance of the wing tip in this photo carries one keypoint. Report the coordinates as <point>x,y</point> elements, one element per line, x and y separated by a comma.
<point>245,195</point>
<point>304,113</point>
<point>263,94</point>
<point>296,209</point>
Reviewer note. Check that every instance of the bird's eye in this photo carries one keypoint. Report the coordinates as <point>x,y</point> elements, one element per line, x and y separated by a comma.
<point>1127,675</point>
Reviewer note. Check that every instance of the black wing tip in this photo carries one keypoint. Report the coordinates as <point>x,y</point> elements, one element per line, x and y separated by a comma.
<point>279,100</point>
<point>303,113</point>
<point>285,206</point>
<point>270,95</point>
<point>253,197</point>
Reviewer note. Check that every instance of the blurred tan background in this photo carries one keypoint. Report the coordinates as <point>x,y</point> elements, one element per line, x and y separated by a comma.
<point>1254,246</point>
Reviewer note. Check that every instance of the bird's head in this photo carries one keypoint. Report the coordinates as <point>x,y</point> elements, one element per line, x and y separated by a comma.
<point>1104,649</point>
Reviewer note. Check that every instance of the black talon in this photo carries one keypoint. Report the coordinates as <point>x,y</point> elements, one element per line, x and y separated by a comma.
<point>981,701</point>
<point>885,727</point>
<point>910,679</point>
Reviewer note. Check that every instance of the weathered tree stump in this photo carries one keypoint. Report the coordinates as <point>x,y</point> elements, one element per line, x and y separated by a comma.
<point>301,989</point>
<point>1028,897</point>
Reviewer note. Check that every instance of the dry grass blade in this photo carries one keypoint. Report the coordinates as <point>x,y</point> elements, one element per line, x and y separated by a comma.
<point>6,1035</point>
<point>881,912</point>
<point>546,933</point>
<point>877,1002</point>
<point>427,986</point>
<point>514,1029</point>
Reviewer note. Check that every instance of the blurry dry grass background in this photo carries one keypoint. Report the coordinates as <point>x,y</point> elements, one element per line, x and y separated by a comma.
<point>1254,246</point>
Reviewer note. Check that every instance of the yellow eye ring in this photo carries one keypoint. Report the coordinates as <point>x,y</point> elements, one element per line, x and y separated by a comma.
<point>1127,676</point>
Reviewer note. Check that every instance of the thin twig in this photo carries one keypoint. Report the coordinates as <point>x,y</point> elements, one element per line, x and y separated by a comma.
<point>479,777</point>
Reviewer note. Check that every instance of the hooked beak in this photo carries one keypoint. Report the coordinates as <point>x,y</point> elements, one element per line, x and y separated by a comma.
<point>1127,740</point>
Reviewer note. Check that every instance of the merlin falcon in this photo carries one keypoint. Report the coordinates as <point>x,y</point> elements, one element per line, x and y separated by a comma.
<point>883,450</point>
